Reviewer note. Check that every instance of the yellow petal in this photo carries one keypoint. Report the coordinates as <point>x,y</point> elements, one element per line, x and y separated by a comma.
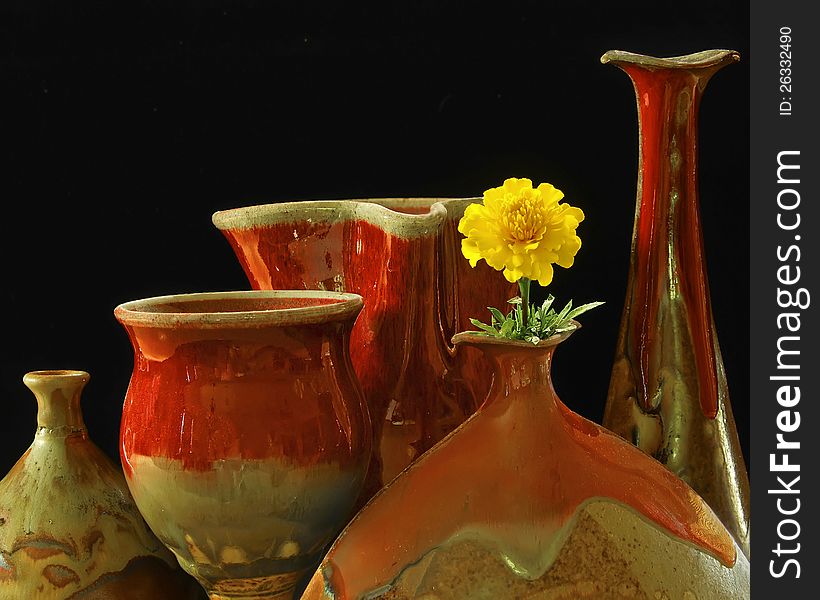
<point>574,213</point>
<point>521,231</point>
<point>470,251</point>
<point>544,276</point>
<point>567,252</point>
<point>512,276</point>
<point>514,185</point>
<point>549,193</point>
<point>497,260</point>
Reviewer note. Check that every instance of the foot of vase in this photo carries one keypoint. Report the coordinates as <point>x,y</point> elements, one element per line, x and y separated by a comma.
<point>272,587</point>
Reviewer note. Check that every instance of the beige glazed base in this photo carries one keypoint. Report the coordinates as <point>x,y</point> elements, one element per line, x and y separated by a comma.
<point>215,535</point>
<point>607,551</point>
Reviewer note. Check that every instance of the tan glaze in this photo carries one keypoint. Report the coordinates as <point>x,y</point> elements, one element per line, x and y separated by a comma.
<point>403,257</point>
<point>68,526</point>
<point>668,393</point>
<point>529,500</point>
<point>245,437</point>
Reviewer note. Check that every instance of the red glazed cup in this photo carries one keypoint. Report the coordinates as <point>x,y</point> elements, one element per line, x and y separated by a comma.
<point>245,437</point>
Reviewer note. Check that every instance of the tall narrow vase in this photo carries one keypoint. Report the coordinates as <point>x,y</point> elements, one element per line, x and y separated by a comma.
<point>245,437</point>
<point>529,500</point>
<point>68,526</point>
<point>668,392</point>
<point>403,257</point>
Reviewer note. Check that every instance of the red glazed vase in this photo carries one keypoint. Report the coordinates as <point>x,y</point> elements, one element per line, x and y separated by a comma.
<point>245,437</point>
<point>668,393</point>
<point>527,499</point>
<point>403,256</point>
<point>68,526</point>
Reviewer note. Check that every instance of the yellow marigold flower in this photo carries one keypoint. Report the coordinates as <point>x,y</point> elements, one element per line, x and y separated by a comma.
<point>522,230</point>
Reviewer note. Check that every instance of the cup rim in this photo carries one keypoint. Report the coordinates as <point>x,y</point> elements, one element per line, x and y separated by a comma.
<point>381,212</point>
<point>146,311</point>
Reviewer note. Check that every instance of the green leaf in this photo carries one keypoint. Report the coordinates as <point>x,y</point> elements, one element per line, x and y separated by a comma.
<point>484,326</point>
<point>547,303</point>
<point>564,312</point>
<point>496,314</point>
<point>582,309</point>
<point>542,321</point>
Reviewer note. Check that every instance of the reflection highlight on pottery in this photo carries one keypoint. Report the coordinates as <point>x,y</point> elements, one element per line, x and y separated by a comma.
<point>528,499</point>
<point>403,256</point>
<point>245,437</point>
<point>68,525</point>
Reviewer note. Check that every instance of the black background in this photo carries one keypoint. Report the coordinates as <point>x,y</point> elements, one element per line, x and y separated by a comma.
<point>124,126</point>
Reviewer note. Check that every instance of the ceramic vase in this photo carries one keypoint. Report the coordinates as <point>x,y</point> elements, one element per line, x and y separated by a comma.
<point>403,256</point>
<point>68,526</point>
<point>527,499</point>
<point>245,437</point>
<point>668,392</point>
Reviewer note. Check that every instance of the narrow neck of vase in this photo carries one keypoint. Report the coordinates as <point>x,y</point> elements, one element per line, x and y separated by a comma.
<point>58,400</point>
<point>520,370</point>
<point>668,103</point>
<point>667,234</point>
<point>668,278</point>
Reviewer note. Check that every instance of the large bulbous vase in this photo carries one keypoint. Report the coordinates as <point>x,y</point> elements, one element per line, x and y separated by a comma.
<point>403,257</point>
<point>527,499</point>
<point>245,437</point>
<point>668,393</point>
<point>68,525</point>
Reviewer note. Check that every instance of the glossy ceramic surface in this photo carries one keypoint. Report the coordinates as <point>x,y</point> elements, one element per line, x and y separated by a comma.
<point>403,256</point>
<point>529,500</point>
<point>68,526</point>
<point>668,392</point>
<point>245,437</point>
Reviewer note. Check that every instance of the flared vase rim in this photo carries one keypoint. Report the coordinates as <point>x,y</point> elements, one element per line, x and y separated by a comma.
<point>165,311</point>
<point>56,375</point>
<point>68,380</point>
<point>477,338</point>
<point>384,213</point>
<point>695,60</point>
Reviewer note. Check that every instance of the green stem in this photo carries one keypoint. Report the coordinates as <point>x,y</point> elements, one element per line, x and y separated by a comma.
<point>524,288</point>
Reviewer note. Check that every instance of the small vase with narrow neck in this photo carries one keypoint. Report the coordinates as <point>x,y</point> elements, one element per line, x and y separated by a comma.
<point>527,499</point>
<point>68,525</point>
<point>668,393</point>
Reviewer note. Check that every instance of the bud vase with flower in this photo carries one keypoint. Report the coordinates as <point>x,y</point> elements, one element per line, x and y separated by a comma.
<point>527,498</point>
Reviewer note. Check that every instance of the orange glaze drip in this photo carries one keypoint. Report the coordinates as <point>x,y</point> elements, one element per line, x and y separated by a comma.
<point>668,231</point>
<point>523,463</point>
